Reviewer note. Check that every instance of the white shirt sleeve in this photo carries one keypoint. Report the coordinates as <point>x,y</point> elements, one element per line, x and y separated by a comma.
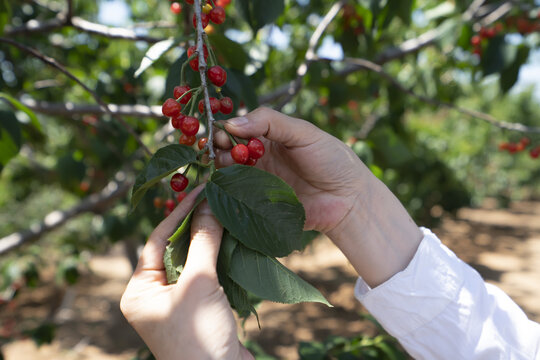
<point>440,308</point>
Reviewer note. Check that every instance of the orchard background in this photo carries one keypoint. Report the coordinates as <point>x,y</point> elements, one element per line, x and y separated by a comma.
<point>423,91</point>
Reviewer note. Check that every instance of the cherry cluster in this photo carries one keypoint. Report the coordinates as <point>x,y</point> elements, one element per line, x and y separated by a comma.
<point>216,14</point>
<point>181,107</point>
<point>523,24</point>
<point>521,145</point>
<point>352,20</point>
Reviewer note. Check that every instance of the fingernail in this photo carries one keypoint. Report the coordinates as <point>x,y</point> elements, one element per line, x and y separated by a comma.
<point>239,121</point>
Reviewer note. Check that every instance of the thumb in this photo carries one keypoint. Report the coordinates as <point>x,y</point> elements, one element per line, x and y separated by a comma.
<point>274,126</point>
<point>206,233</point>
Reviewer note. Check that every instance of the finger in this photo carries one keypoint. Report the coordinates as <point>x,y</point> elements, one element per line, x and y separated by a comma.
<point>152,255</point>
<point>203,251</point>
<point>221,140</point>
<point>275,126</point>
<point>223,159</point>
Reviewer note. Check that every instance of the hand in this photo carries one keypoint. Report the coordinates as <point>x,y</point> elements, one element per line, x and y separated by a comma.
<point>326,175</point>
<point>191,319</point>
<point>340,195</point>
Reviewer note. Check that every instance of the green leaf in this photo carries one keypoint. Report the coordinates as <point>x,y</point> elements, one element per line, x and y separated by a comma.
<point>176,252</point>
<point>237,296</point>
<point>153,54</point>
<point>267,278</point>
<point>493,59</point>
<point>165,161</point>
<point>232,52</point>
<point>20,106</point>
<point>261,12</point>
<point>5,15</point>
<point>240,88</point>
<point>257,208</point>
<point>311,351</point>
<point>10,137</point>
<point>510,74</point>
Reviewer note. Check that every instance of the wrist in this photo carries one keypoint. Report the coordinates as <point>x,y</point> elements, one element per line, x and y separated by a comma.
<point>377,235</point>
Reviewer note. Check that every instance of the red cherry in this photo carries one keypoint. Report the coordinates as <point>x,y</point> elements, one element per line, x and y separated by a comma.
<point>180,196</point>
<point>217,15</point>
<point>187,140</point>
<point>170,205</point>
<point>190,126</point>
<point>181,90</point>
<point>176,8</point>
<point>215,105</point>
<point>503,146</point>
<point>520,147</point>
<point>251,162</point>
<point>476,40</point>
<point>193,49</point>
<point>535,153</point>
<point>194,63</point>
<point>525,141</point>
<point>202,143</point>
<point>179,182</point>
<point>171,108</point>
<point>226,105</point>
<point>158,202</point>
<point>222,3</point>
<point>240,153</point>
<point>512,148</point>
<point>256,148</point>
<point>217,75</point>
<point>204,19</point>
<point>177,121</point>
<point>190,1</point>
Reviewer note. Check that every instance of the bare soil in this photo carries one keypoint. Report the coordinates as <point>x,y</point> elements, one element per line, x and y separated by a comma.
<point>503,245</point>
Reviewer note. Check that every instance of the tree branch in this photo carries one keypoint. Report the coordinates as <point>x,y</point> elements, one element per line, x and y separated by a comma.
<point>204,82</point>
<point>66,19</point>
<point>295,85</point>
<point>410,46</point>
<point>55,64</point>
<point>70,109</point>
<point>371,66</point>
<point>93,203</point>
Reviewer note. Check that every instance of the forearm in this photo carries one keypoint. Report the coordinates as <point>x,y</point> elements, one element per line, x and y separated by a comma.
<point>377,236</point>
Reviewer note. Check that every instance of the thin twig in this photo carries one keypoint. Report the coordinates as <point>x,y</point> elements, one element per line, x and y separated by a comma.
<point>410,46</point>
<point>371,66</point>
<point>94,203</point>
<point>70,109</point>
<point>296,84</point>
<point>55,64</point>
<point>204,83</point>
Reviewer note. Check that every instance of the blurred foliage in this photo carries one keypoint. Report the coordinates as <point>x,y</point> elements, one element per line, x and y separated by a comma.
<point>435,160</point>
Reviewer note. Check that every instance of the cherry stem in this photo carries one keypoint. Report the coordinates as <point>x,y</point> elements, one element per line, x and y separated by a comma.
<point>184,67</point>
<point>220,126</point>
<point>204,84</point>
<point>193,101</point>
<point>187,92</point>
<point>213,59</point>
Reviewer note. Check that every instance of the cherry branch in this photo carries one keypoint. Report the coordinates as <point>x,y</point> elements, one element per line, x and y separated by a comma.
<point>66,19</point>
<point>408,47</point>
<point>295,85</point>
<point>55,64</point>
<point>70,109</point>
<point>204,83</point>
<point>371,66</point>
<point>94,203</point>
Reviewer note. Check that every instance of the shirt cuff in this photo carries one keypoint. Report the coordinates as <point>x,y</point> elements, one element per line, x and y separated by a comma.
<point>414,296</point>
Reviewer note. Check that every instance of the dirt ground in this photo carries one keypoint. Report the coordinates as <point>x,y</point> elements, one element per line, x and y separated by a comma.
<point>503,245</point>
